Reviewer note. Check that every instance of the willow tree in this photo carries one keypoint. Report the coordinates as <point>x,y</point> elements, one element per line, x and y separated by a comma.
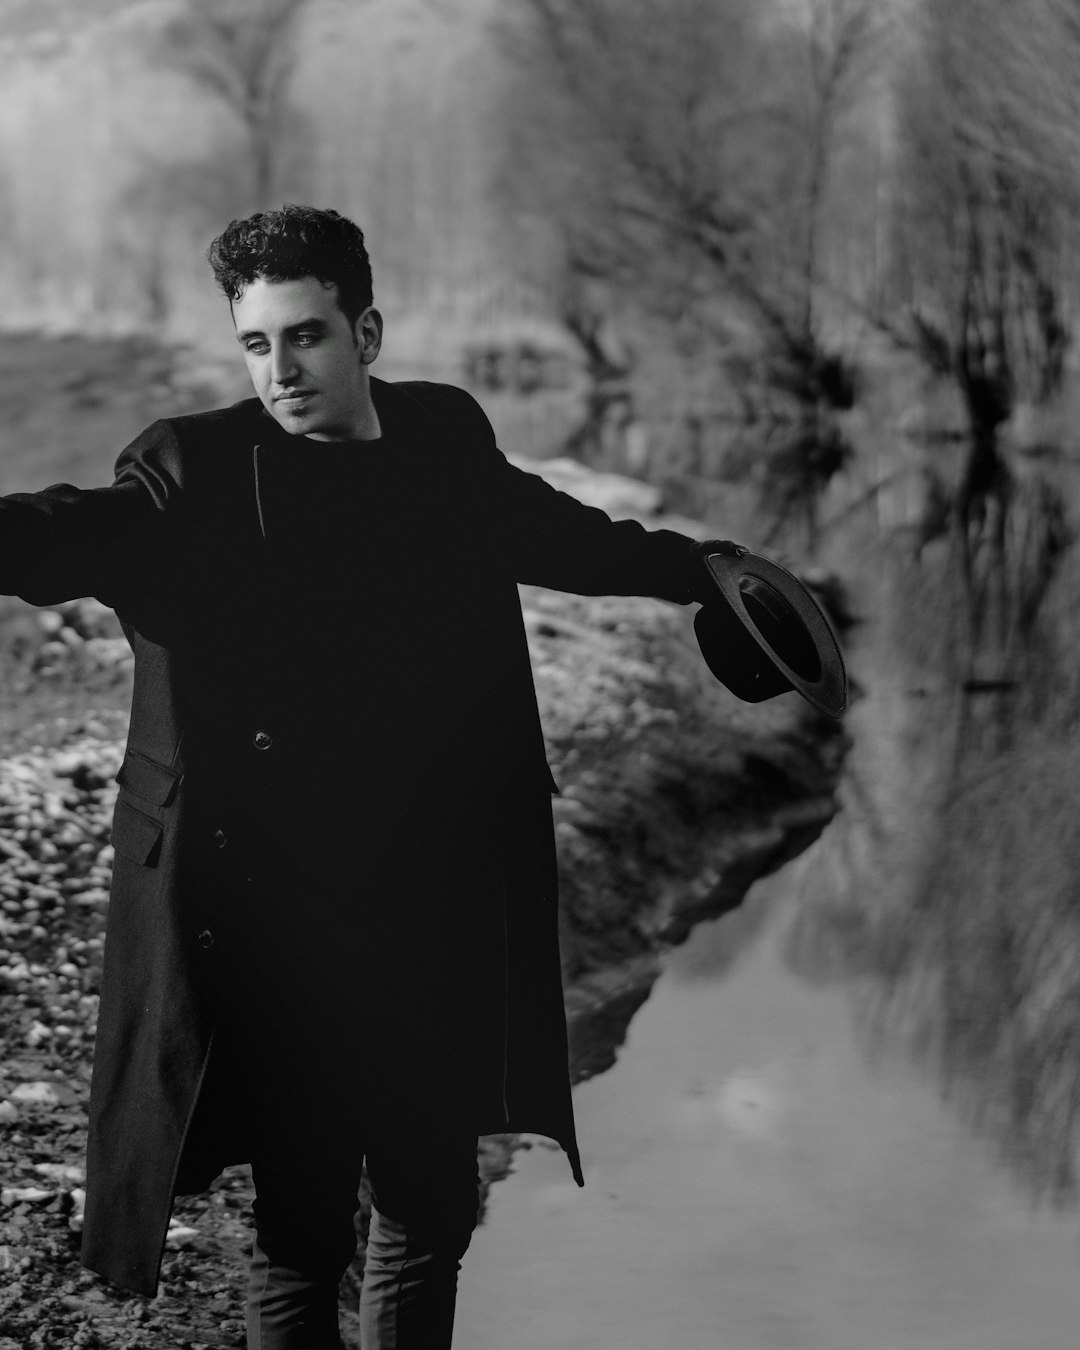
<point>988,187</point>
<point>967,906</point>
<point>678,157</point>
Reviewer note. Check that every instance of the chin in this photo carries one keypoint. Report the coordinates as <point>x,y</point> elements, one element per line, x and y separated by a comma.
<point>298,423</point>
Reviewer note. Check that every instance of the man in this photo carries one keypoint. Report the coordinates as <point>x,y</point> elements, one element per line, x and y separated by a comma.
<point>333,932</point>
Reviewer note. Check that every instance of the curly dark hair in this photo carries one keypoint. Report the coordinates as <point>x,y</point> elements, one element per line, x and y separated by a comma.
<point>297,241</point>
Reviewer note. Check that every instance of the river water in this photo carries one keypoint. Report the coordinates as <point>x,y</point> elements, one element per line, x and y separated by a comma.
<point>756,1180</point>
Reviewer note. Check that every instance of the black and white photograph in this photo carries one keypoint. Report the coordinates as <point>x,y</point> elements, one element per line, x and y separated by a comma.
<point>539,613</point>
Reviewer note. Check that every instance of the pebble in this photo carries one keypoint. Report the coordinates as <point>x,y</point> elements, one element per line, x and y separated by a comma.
<point>78,1205</point>
<point>17,1195</point>
<point>9,1113</point>
<point>61,1172</point>
<point>179,1237</point>
<point>39,1093</point>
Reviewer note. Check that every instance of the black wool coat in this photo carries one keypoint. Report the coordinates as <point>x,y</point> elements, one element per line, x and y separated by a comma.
<point>333,824</point>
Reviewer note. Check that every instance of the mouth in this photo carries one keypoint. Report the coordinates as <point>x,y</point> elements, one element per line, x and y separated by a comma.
<point>294,398</point>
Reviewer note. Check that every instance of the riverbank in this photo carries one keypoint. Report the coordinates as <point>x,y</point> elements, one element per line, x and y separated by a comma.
<point>676,798</point>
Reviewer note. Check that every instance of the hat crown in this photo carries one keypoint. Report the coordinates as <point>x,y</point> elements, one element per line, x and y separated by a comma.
<point>780,624</point>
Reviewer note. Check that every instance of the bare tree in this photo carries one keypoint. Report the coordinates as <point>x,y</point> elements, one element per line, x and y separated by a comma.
<point>243,51</point>
<point>682,160</point>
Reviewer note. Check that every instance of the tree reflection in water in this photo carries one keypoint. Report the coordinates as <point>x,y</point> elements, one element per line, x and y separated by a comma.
<point>948,887</point>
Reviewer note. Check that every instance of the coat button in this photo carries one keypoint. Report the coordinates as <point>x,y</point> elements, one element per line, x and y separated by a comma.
<point>220,838</point>
<point>206,939</point>
<point>262,740</point>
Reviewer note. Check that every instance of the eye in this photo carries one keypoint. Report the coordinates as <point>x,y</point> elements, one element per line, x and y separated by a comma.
<point>257,347</point>
<point>307,339</point>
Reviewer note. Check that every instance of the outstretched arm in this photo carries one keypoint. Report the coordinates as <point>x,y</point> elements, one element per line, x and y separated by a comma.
<point>552,539</point>
<point>557,541</point>
<point>65,542</point>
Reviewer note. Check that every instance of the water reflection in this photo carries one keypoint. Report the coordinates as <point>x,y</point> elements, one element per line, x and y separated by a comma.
<point>754,1180</point>
<point>945,890</point>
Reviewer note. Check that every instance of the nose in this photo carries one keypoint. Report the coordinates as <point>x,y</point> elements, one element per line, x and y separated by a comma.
<point>283,368</point>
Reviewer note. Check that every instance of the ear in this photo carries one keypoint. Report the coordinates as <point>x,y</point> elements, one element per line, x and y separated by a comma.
<point>368,331</point>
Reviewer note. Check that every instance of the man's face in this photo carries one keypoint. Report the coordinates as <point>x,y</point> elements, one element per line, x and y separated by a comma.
<point>307,362</point>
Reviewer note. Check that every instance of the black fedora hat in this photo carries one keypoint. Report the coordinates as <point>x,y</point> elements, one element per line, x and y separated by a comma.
<point>762,633</point>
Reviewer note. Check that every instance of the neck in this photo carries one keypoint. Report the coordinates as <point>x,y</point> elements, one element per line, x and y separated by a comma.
<point>365,425</point>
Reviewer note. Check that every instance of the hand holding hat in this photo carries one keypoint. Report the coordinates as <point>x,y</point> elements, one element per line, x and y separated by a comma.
<point>760,630</point>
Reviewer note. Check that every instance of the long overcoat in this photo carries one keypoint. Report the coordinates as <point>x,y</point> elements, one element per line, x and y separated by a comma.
<point>335,775</point>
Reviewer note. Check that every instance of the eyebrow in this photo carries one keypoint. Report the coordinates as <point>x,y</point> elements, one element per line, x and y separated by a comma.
<point>318,324</point>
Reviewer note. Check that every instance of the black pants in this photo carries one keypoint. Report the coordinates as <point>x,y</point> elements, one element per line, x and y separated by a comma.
<point>424,1185</point>
<point>309,1117</point>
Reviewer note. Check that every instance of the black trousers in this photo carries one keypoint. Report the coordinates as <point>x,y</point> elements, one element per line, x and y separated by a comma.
<point>304,1115</point>
<point>307,1173</point>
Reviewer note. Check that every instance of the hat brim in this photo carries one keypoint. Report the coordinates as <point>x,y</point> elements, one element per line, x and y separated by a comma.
<point>823,680</point>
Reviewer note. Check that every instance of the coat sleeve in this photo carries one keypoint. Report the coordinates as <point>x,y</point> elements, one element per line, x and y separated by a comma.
<point>551,539</point>
<point>65,542</point>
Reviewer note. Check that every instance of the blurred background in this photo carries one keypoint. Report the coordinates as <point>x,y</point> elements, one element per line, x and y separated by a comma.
<point>809,269</point>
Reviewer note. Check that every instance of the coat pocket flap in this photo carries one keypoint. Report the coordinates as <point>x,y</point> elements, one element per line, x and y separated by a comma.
<point>148,779</point>
<point>135,834</point>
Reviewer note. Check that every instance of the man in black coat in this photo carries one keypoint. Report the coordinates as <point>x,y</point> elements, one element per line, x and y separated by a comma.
<point>333,930</point>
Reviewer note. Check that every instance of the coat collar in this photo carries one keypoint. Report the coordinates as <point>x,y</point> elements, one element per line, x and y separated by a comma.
<point>405,419</point>
<point>401,412</point>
